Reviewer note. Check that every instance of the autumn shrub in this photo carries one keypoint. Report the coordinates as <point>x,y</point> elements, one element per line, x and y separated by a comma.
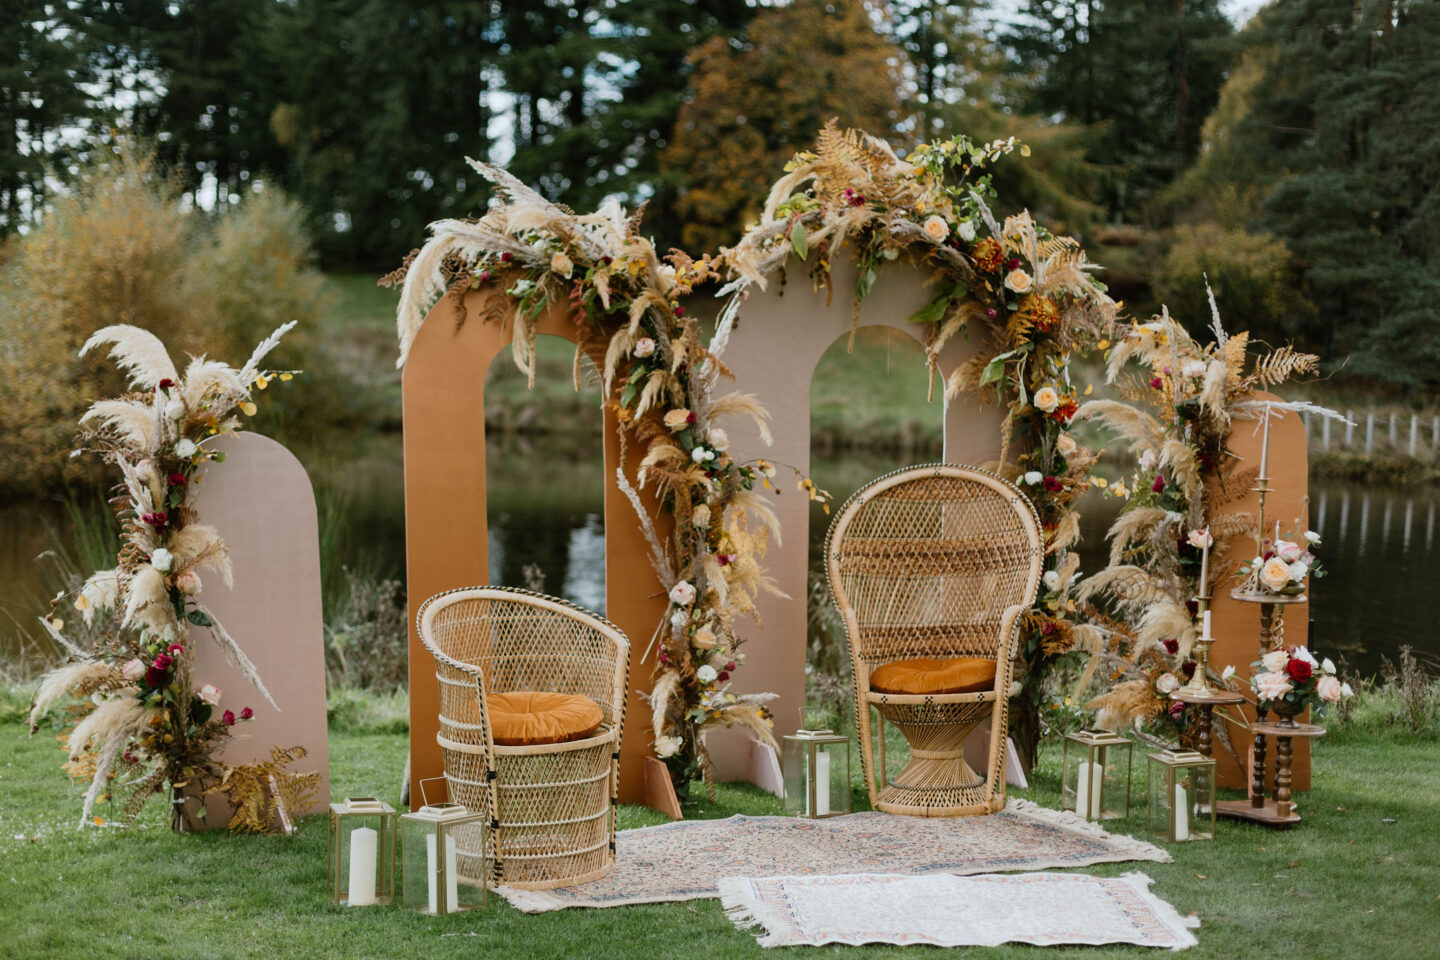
<point>123,248</point>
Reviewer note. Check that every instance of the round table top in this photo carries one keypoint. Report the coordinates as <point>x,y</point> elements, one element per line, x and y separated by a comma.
<point>1247,596</point>
<point>1217,696</point>
<point>1271,729</point>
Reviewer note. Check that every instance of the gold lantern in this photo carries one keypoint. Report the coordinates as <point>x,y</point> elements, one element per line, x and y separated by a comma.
<point>445,866</point>
<point>1181,784</point>
<point>362,852</point>
<point>1095,774</point>
<point>817,774</point>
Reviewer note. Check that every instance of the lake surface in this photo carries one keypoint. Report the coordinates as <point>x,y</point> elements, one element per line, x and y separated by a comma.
<point>1379,544</point>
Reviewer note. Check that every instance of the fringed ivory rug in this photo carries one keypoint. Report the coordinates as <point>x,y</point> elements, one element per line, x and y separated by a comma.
<point>686,859</point>
<point>1044,909</point>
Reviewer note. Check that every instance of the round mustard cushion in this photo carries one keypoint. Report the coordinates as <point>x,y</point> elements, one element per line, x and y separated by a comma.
<point>929,676</point>
<point>528,717</point>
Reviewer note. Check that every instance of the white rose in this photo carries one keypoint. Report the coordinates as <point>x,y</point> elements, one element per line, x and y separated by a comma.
<point>1312,538</point>
<point>1199,539</point>
<point>133,670</point>
<point>1018,280</point>
<point>1147,460</point>
<point>1345,690</point>
<point>699,455</point>
<point>1033,477</point>
<point>682,594</point>
<point>668,746</point>
<point>667,277</point>
<point>1298,569</point>
<point>706,674</point>
<point>966,231</point>
<point>1275,660</point>
<point>1288,551</point>
<point>1329,689</point>
<point>175,409</point>
<point>1229,673</point>
<point>1066,444</point>
<point>210,694</point>
<point>679,619</point>
<point>1327,666</point>
<point>162,559</point>
<point>644,347</point>
<point>936,228</point>
<point>1052,580</point>
<point>185,448</point>
<point>1275,573</point>
<point>1303,653</point>
<point>1192,368</point>
<point>719,439</point>
<point>1047,399</point>
<point>1167,683</point>
<point>561,264</point>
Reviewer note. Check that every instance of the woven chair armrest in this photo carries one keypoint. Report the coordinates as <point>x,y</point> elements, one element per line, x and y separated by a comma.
<point>1009,636</point>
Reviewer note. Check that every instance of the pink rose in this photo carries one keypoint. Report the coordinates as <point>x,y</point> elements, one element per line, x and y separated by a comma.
<point>133,670</point>
<point>1272,686</point>
<point>1288,551</point>
<point>1329,689</point>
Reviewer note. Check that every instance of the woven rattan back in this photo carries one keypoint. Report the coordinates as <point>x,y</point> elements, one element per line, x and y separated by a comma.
<point>923,562</point>
<point>516,640</point>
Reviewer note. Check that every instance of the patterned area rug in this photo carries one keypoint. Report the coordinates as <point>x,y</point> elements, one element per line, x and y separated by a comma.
<point>1044,909</point>
<point>686,859</point>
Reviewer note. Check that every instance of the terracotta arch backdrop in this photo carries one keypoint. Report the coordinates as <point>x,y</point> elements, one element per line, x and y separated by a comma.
<point>780,336</point>
<point>446,526</point>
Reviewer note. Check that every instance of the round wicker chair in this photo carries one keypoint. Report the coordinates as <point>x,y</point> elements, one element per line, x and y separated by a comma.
<point>552,806</point>
<point>934,561</point>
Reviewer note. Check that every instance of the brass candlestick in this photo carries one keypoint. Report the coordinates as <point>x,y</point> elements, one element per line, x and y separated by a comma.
<point>1199,684</point>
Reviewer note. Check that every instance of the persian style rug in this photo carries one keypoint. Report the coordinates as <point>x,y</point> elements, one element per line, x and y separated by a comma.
<point>1044,909</point>
<point>685,860</point>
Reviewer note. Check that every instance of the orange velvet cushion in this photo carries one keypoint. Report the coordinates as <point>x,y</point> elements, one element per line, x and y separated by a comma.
<point>527,717</point>
<point>924,676</point>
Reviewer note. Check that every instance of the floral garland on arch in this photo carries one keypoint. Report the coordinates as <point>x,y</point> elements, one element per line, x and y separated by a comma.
<point>144,719</point>
<point>1177,412</point>
<point>1027,296</point>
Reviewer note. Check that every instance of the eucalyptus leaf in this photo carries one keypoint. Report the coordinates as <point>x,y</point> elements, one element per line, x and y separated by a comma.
<point>799,241</point>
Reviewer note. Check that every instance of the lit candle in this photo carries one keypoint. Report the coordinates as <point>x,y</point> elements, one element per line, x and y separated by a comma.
<point>364,843</point>
<point>1265,444</point>
<point>1182,813</point>
<point>822,783</point>
<point>452,883</point>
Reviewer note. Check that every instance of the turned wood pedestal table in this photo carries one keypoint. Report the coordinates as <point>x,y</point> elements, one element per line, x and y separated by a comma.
<point>1277,810</point>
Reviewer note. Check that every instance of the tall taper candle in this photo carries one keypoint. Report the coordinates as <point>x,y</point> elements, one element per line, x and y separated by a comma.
<point>1205,563</point>
<point>1265,445</point>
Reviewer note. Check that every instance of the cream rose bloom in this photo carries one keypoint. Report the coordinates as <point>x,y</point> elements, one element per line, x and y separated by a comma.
<point>1200,539</point>
<point>706,674</point>
<point>700,517</point>
<point>936,228</point>
<point>966,231</point>
<point>1275,660</point>
<point>162,560</point>
<point>1275,574</point>
<point>682,594</point>
<point>1298,569</point>
<point>133,670</point>
<point>1328,688</point>
<point>667,746</point>
<point>719,439</point>
<point>561,264</point>
<point>1192,368</point>
<point>1052,580</point>
<point>1018,280</point>
<point>644,347</point>
<point>189,583</point>
<point>1047,399</point>
<point>185,447</point>
<point>210,694</point>
<point>1272,686</point>
<point>1033,477</point>
<point>1167,683</point>
<point>677,419</point>
<point>1066,445</point>
<point>667,277</point>
<point>705,638</point>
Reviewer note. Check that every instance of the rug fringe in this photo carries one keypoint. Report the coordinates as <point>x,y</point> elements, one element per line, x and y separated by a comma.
<point>1165,912</point>
<point>743,908</point>
<point>1134,848</point>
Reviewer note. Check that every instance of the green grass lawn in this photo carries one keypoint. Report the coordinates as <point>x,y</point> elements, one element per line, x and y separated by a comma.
<point>1356,879</point>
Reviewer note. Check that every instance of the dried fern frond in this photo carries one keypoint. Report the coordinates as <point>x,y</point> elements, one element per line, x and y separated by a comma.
<point>1278,366</point>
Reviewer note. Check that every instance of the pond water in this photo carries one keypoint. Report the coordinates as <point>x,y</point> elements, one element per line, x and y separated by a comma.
<point>1380,544</point>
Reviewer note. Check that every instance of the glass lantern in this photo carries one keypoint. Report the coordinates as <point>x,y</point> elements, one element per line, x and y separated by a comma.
<point>817,774</point>
<point>1182,795</point>
<point>461,871</point>
<point>362,852</point>
<point>1095,775</point>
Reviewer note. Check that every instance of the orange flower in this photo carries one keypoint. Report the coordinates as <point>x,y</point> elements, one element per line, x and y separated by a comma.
<point>988,255</point>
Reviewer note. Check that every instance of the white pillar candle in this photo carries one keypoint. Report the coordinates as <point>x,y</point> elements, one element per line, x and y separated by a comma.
<point>452,882</point>
<point>1182,813</point>
<point>822,783</point>
<point>364,845</point>
<point>1082,791</point>
<point>1097,780</point>
<point>1265,444</point>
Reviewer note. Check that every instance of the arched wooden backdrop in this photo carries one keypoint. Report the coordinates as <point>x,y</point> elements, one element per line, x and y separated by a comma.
<point>261,501</point>
<point>446,528</point>
<point>1236,625</point>
<point>780,337</point>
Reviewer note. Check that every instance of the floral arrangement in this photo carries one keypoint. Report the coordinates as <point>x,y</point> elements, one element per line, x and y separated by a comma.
<point>1288,681</point>
<point>1030,297</point>
<point>1282,565</point>
<point>1177,413</point>
<point>142,709</point>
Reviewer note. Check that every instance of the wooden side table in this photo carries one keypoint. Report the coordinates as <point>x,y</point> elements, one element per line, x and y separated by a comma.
<point>1205,720</point>
<point>1278,810</point>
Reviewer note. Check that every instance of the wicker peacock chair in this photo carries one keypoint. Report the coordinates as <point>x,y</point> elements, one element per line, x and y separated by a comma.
<point>551,802</point>
<point>931,567</point>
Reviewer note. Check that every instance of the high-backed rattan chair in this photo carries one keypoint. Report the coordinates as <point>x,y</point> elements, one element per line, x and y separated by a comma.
<point>931,567</point>
<point>551,804</point>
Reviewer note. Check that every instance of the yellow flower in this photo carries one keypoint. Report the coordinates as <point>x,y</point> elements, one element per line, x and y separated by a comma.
<point>1100,482</point>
